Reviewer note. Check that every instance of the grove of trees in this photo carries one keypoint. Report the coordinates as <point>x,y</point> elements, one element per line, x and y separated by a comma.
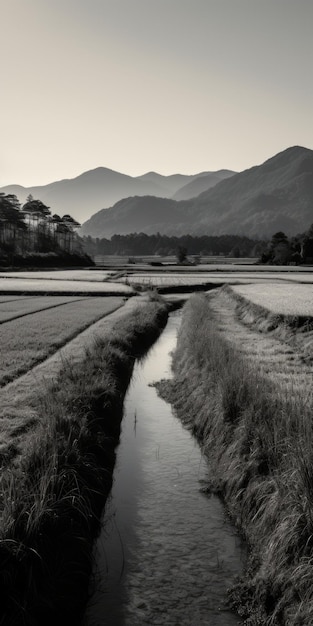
<point>282,250</point>
<point>163,245</point>
<point>31,229</point>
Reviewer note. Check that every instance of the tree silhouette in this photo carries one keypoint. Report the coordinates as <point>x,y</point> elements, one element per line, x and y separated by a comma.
<point>12,222</point>
<point>181,254</point>
<point>39,224</point>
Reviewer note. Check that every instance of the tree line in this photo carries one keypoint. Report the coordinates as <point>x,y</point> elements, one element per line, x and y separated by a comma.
<point>31,228</point>
<point>280,250</point>
<point>283,250</point>
<point>137,244</point>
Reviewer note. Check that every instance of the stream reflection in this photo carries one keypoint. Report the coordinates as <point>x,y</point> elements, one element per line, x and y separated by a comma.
<point>167,552</point>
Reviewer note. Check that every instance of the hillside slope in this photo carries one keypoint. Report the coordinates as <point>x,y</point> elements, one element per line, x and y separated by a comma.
<point>277,195</point>
<point>201,183</point>
<point>147,214</point>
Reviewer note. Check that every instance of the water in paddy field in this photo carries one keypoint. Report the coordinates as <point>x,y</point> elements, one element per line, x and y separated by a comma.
<point>167,552</point>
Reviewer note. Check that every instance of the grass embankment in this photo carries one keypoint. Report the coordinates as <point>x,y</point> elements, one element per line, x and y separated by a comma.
<point>270,310</point>
<point>258,439</point>
<point>52,499</point>
<point>270,307</point>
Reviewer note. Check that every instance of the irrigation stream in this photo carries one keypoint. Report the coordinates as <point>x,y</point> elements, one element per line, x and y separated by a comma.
<point>167,552</point>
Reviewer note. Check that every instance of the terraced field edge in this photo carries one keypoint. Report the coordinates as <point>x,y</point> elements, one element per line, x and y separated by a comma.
<point>258,440</point>
<point>51,501</point>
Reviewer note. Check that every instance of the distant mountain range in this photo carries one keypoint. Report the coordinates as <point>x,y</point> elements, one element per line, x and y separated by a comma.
<point>277,195</point>
<point>82,196</point>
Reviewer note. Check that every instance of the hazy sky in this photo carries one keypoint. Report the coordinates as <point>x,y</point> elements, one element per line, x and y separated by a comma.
<point>138,85</point>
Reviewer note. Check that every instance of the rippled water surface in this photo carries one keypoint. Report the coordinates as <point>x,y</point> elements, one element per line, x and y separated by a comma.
<point>167,552</point>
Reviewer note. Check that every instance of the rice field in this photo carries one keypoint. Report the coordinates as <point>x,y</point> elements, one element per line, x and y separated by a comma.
<point>19,307</point>
<point>40,285</point>
<point>280,298</point>
<point>211,263</point>
<point>33,327</point>
<point>24,342</point>
<point>88,275</point>
<point>14,298</point>
<point>98,282</point>
<point>306,277</point>
<point>172,279</point>
<point>167,280</point>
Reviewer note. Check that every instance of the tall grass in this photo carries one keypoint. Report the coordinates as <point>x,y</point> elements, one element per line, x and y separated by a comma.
<point>258,439</point>
<point>52,500</point>
<point>276,298</point>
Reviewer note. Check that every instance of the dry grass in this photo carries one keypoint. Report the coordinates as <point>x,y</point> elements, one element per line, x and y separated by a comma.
<point>286,299</point>
<point>292,334</point>
<point>277,348</point>
<point>258,436</point>
<point>27,341</point>
<point>52,500</point>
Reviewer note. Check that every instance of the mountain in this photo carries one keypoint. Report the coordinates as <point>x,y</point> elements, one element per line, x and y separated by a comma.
<point>277,195</point>
<point>101,187</point>
<point>201,183</point>
<point>83,195</point>
<point>168,185</point>
<point>147,214</point>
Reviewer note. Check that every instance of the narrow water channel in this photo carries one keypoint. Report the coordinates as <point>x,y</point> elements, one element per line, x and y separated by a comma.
<point>167,552</point>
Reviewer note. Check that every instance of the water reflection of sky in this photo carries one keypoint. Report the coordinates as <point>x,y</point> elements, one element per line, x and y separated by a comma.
<point>167,553</point>
<point>155,366</point>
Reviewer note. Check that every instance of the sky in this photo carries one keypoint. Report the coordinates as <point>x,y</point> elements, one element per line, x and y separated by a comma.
<point>173,86</point>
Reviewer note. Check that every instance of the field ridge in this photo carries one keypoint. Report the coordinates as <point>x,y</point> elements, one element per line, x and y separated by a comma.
<point>52,496</point>
<point>248,398</point>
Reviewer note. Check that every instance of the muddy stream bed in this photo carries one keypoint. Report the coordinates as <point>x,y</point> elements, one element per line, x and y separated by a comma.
<point>167,552</point>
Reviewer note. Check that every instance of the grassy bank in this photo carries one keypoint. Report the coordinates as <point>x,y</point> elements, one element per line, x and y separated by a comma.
<point>258,439</point>
<point>274,316</point>
<point>288,319</point>
<point>51,500</point>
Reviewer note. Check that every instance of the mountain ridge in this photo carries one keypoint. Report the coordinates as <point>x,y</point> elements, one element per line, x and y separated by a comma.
<point>100,187</point>
<point>276,195</point>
